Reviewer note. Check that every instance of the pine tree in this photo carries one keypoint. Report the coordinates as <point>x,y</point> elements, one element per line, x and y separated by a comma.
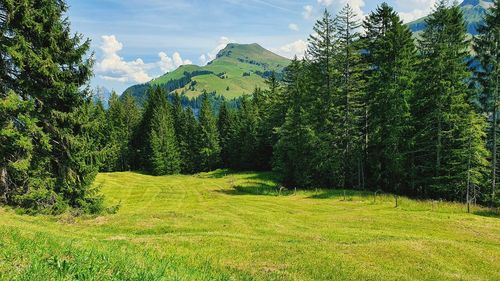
<point>116,133</point>
<point>192,130</point>
<point>350,101</point>
<point>180,130</point>
<point>102,138</point>
<point>390,53</point>
<point>45,65</point>
<point>324,77</point>
<point>487,48</point>
<point>442,113</point>
<point>271,110</point>
<point>321,85</point>
<point>293,157</point>
<point>162,154</point>
<point>248,135</point>
<point>17,147</point>
<point>209,148</point>
<point>227,131</point>
<point>132,119</point>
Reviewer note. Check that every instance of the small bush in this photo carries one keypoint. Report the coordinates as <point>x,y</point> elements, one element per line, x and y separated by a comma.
<point>41,201</point>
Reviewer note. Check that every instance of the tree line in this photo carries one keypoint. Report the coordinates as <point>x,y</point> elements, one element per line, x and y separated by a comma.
<point>369,107</point>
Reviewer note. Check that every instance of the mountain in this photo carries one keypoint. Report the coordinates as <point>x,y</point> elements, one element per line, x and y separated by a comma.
<point>102,94</point>
<point>237,70</point>
<point>473,11</point>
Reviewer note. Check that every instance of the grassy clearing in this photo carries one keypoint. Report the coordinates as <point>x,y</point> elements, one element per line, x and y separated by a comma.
<point>240,227</point>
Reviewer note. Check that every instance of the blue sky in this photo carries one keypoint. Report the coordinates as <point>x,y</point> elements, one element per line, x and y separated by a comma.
<point>136,40</point>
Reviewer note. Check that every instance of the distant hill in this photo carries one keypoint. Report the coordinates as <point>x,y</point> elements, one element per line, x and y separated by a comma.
<point>473,10</point>
<point>237,70</point>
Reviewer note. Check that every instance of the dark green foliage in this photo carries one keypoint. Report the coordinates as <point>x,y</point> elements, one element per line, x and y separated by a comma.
<point>122,118</point>
<point>448,145</point>
<point>320,97</point>
<point>391,57</point>
<point>357,112</point>
<point>208,138</point>
<point>43,70</point>
<point>294,151</point>
<point>161,152</point>
<point>248,136</point>
<point>181,132</point>
<point>226,125</point>
<point>192,141</point>
<point>487,47</point>
<point>349,103</point>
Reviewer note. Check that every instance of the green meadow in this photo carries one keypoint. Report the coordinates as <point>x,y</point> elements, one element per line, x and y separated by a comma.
<point>220,226</point>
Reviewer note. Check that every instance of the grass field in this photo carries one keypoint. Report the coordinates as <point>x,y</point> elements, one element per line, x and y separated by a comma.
<point>239,227</point>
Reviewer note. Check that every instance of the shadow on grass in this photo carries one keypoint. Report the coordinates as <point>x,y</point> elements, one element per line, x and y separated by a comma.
<point>341,193</point>
<point>218,174</point>
<point>488,213</point>
<point>247,175</point>
<point>256,188</point>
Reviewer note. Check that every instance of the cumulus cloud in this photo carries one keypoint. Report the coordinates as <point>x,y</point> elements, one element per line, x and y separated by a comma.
<point>307,13</point>
<point>356,5</point>
<point>293,27</point>
<point>297,48</point>
<point>167,63</point>
<point>221,44</point>
<point>414,9</point>
<point>115,68</point>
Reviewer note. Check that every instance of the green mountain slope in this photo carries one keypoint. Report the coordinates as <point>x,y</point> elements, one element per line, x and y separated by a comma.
<point>473,11</point>
<point>237,70</point>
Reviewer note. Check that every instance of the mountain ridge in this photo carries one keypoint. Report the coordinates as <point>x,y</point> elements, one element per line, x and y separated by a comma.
<point>473,11</point>
<point>237,70</point>
<point>240,68</point>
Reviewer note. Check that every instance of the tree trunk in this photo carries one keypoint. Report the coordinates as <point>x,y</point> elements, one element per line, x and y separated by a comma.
<point>4,187</point>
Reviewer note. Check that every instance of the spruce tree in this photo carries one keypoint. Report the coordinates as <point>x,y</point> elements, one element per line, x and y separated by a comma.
<point>293,158</point>
<point>446,127</point>
<point>116,133</point>
<point>132,119</point>
<point>487,48</point>
<point>350,101</point>
<point>321,86</point>
<point>191,164</point>
<point>162,154</point>
<point>209,148</point>
<point>390,54</point>
<point>47,66</point>
<point>227,131</point>
<point>248,135</point>
<point>179,118</point>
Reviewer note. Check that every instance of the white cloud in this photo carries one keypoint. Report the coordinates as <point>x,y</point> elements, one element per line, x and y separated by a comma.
<point>411,10</point>
<point>307,13</point>
<point>297,48</point>
<point>221,44</point>
<point>356,5</point>
<point>115,68</point>
<point>203,59</point>
<point>293,27</point>
<point>325,2</point>
<point>167,63</point>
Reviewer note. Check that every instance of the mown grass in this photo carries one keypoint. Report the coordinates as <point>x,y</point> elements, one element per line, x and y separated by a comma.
<point>221,226</point>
